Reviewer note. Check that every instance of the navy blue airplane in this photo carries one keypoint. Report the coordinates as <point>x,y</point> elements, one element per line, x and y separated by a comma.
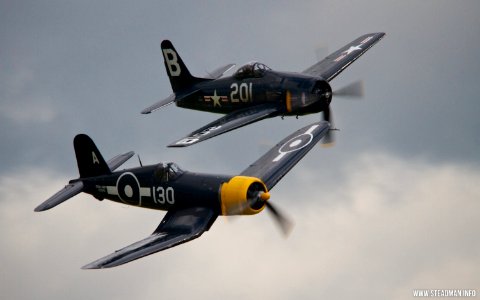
<point>193,201</point>
<point>255,92</point>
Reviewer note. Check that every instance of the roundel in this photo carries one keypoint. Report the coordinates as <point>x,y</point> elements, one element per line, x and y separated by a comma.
<point>128,189</point>
<point>296,143</point>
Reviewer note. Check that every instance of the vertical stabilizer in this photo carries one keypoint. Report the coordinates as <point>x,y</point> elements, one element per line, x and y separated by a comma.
<point>89,160</point>
<point>180,78</point>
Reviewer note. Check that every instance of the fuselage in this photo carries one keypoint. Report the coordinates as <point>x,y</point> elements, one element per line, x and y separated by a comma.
<point>161,187</point>
<point>293,93</point>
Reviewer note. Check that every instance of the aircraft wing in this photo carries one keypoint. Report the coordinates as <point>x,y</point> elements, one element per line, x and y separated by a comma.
<point>177,227</point>
<point>336,62</point>
<point>274,164</point>
<point>63,195</point>
<point>229,122</point>
<point>119,160</point>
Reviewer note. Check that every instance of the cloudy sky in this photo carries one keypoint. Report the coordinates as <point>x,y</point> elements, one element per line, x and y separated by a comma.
<point>391,208</point>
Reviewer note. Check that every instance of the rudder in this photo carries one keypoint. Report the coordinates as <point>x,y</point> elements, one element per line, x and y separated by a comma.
<point>89,160</point>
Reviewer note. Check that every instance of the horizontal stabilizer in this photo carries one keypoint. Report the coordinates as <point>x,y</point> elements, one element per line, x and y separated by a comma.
<point>169,100</point>
<point>84,147</point>
<point>119,160</point>
<point>274,164</point>
<point>63,195</point>
<point>177,227</point>
<point>217,73</point>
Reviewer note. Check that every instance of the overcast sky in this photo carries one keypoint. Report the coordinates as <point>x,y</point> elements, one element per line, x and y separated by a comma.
<point>391,208</point>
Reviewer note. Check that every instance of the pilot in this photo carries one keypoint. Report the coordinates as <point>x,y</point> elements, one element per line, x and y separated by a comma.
<point>248,70</point>
<point>245,71</point>
<point>162,172</point>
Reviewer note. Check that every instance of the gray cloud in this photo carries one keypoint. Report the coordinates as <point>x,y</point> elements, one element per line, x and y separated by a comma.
<point>369,239</point>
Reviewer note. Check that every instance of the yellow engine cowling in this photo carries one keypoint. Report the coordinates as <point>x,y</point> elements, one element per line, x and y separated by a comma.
<point>243,195</point>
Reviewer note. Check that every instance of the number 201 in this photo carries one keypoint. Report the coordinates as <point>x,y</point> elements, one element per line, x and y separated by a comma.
<point>241,93</point>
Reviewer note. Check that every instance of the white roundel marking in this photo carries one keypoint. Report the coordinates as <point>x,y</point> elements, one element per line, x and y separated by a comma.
<point>128,191</point>
<point>295,143</point>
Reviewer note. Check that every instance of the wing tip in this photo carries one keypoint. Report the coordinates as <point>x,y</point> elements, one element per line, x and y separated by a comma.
<point>98,264</point>
<point>88,267</point>
<point>378,36</point>
<point>40,208</point>
<point>94,266</point>
<point>174,145</point>
<point>379,33</point>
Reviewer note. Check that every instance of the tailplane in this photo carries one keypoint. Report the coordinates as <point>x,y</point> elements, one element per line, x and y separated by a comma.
<point>182,81</point>
<point>89,160</point>
<point>90,163</point>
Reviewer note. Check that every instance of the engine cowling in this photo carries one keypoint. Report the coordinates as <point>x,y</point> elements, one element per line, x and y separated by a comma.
<point>309,97</point>
<point>243,195</point>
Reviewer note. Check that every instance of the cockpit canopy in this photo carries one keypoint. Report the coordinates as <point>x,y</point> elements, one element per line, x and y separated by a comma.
<point>251,70</point>
<point>168,171</point>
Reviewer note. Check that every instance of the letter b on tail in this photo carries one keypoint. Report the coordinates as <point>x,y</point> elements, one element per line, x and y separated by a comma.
<point>171,60</point>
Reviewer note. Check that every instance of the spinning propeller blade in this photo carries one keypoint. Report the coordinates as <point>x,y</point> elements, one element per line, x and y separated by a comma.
<point>285,224</point>
<point>353,90</point>
<point>329,139</point>
<point>261,198</point>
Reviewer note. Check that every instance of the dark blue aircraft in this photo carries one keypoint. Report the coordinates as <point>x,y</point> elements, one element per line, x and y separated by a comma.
<point>255,92</point>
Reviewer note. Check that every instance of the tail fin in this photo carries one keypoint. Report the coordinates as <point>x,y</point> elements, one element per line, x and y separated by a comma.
<point>179,76</point>
<point>89,160</point>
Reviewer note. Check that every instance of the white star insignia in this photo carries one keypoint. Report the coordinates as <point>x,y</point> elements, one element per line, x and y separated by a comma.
<point>351,49</point>
<point>216,99</point>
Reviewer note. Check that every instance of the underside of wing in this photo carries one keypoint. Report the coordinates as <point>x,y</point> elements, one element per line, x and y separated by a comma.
<point>336,62</point>
<point>229,122</point>
<point>274,164</point>
<point>177,227</point>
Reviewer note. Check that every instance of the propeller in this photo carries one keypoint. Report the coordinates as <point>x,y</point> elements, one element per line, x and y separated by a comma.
<point>329,139</point>
<point>282,221</point>
<point>353,90</point>
<point>259,199</point>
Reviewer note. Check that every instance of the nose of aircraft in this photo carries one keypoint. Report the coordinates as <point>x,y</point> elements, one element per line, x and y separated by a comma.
<point>323,91</point>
